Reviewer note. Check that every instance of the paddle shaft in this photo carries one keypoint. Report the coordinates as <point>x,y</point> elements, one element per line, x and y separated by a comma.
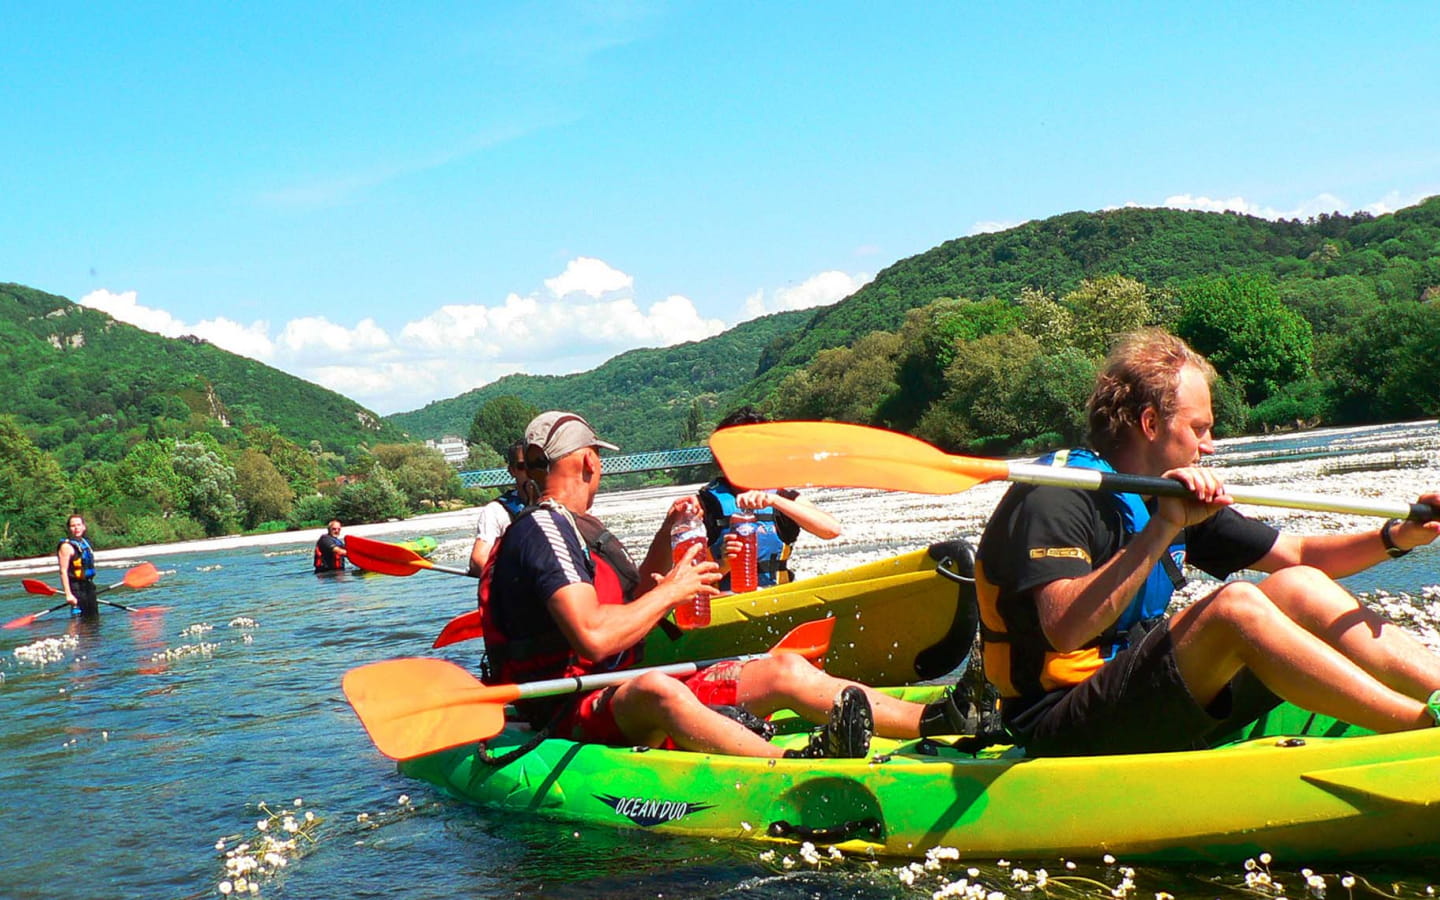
<point>1094,480</point>
<point>553,687</point>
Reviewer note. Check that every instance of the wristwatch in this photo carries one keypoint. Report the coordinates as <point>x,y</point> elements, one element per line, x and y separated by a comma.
<point>1389,542</point>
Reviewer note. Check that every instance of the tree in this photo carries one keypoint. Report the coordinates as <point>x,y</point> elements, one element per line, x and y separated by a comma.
<point>501,422</point>
<point>1103,308</point>
<point>1251,337</point>
<point>375,499</point>
<point>263,493</point>
<point>419,472</point>
<point>34,495</point>
<point>208,486</point>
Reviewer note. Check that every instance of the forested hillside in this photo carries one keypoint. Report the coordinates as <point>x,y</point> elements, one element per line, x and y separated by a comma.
<point>157,439</point>
<point>639,400</point>
<point>989,342</point>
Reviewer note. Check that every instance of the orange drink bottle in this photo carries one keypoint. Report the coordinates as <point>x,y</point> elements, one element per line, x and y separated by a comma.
<point>688,532</point>
<point>744,567</point>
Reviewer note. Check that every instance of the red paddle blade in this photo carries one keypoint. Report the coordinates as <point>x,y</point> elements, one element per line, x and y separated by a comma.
<point>464,627</point>
<point>22,621</point>
<point>383,566</point>
<point>38,587</point>
<point>411,707</point>
<point>381,550</point>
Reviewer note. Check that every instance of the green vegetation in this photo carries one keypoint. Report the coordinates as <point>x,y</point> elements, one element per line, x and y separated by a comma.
<point>990,343</point>
<point>984,344</point>
<point>157,440</point>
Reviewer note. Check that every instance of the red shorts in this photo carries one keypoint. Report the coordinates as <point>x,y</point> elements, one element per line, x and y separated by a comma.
<point>592,717</point>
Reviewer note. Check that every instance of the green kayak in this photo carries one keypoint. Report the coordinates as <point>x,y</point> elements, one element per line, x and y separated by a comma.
<point>1299,786</point>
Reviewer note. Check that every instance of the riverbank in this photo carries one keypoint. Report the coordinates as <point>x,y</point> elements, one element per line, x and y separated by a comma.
<point>1393,462</point>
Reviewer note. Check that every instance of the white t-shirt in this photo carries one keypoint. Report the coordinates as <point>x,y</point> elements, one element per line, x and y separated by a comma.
<point>494,519</point>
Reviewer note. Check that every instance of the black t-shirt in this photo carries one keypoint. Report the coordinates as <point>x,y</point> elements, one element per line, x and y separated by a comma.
<point>1039,534</point>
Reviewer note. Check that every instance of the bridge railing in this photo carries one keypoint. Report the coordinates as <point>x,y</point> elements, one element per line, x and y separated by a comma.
<point>609,465</point>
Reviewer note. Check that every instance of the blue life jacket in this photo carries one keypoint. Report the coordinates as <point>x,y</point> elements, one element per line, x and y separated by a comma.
<point>82,564</point>
<point>718,498</point>
<point>512,502</point>
<point>1160,585</point>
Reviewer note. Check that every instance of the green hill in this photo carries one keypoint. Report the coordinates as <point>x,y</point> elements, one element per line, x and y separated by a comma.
<point>638,399</point>
<point>1333,270</point>
<point>86,387</point>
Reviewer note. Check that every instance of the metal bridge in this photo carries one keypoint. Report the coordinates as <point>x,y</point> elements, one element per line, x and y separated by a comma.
<point>609,465</point>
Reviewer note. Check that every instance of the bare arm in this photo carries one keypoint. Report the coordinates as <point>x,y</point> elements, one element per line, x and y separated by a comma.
<point>479,553</point>
<point>1074,611</point>
<point>67,553</point>
<point>802,512</point>
<point>1338,555</point>
<point>596,630</point>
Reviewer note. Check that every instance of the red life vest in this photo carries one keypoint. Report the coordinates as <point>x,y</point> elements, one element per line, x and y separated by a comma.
<point>527,645</point>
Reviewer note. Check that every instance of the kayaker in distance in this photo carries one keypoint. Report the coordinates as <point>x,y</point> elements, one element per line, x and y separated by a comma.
<point>590,622</point>
<point>1073,588</point>
<point>330,549</point>
<point>779,517</point>
<point>497,515</point>
<point>77,569</point>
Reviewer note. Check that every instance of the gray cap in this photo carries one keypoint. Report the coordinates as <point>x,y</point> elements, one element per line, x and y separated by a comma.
<point>561,433</point>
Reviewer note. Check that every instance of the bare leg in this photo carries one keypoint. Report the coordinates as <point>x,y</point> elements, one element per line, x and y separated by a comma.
<point>1385,650</point>
<point>786,681</point>
<point>1238,626</point>
<point>653,706</point>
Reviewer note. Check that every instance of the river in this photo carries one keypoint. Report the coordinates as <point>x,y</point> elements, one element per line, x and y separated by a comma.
<point>138,751</point>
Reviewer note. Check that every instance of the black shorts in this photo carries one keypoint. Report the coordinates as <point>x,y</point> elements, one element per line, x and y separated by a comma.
<point>84,591</point>
<point>1136,703</point>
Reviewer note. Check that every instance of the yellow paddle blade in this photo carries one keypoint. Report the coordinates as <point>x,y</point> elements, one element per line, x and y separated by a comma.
<point>838,454</point>
<point>412,707</point>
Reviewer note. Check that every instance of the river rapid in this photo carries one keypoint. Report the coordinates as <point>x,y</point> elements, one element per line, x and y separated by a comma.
<point>140,753</point>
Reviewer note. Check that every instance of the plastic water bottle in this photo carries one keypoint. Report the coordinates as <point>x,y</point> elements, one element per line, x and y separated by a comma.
<point>689,531</point>
<point>744,567</point>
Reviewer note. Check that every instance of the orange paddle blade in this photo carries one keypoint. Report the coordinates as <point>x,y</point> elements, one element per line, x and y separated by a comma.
<point>463,627</point>
<point>412,707</point>
<point>142,576</point>
<point>809,639</point>
<point>838,454</point>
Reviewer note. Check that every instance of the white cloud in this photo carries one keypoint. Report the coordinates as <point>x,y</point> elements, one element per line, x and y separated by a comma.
<point>993,225</point>
<point>1314,206</point>
<point>817,290</point>
<point>588,315</point>
<point>586,275</point>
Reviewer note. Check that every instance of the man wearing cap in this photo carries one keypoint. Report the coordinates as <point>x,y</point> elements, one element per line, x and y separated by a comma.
<point>555,604</point>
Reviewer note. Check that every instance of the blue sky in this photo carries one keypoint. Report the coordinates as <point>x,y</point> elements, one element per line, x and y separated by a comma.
<point>405,201</point>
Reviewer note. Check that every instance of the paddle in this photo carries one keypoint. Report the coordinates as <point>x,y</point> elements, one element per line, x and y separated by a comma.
<point>412,707</point>
<point>390,559</point>
<point>464,627</point>
<point>141,576</point>
<point>836,454</point>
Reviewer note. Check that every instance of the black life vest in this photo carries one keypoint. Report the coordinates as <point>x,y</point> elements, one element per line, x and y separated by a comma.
<point>1026,664</point>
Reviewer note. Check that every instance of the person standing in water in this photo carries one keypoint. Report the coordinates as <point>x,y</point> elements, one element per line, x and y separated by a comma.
<point>330,549</point>
<point>77,569</point>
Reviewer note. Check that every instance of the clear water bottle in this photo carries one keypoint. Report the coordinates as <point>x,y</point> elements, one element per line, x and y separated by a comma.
<point>689,531</point>
<point>744,566</point>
